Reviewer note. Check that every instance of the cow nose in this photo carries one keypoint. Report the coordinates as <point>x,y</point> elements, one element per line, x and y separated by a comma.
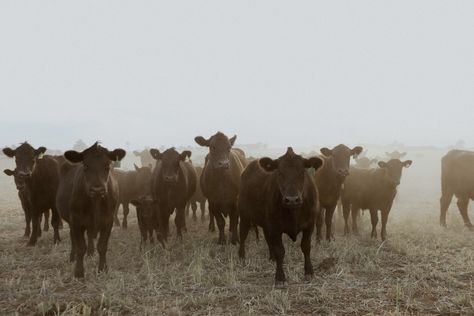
<point>24,174</point>
<point>294,200</point>
<point>223,164</point>
<point>97,191</point>
<point>170,179</point>
<point>343,172</point>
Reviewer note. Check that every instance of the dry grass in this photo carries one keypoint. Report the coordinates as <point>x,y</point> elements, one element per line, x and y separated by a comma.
<point>421,269</point>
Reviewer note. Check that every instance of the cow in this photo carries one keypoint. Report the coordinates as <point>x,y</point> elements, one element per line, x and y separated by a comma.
<point>148,222</point>
<point>220,181</point>
<point>132,185</point>
<point>329,180</point>
<point>395,155</point>
<point>145,158</point>
<point>172,186</point>
<point>40,177</point>
<point>23,196</point>
<point>87,198</point>
<point>281,197</point>
<point>374,190</point>
<point>364,162</point>
<point>457,178</point>
<point>197,198</point>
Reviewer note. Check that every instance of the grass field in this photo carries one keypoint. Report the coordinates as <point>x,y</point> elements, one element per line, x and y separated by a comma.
<point>421,268</point>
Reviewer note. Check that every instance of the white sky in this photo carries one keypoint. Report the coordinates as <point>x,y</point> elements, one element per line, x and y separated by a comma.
<point>282,72</point>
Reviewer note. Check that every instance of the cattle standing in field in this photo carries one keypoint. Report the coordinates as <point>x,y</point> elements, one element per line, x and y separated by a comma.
<point>198,198</point>
<point>88,196</point>
<point>40,176</point>
<point>148,221</point>
<point>374,190</point>
<point>23,196</point>
<point>145,157</point>
<point>457,178</point>
<point>281,197</point>
<point>329,180</point>
<point>173,183</point>
<point>132,185</point>
<point>220,181</point>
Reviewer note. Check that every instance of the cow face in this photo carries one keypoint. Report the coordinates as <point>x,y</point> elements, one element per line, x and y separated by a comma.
<point>365,162</point>
<point>290,171</point>
<point>145,208</point>
<point>393,169</point>
<point>219,149</point>
<point>96,161</point>
<point>144,178</point>
<point>170,162</point>
<point>341,156</point>
<point>25,158</point>
<point>19,181</point>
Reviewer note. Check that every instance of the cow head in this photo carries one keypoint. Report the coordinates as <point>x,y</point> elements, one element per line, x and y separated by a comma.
<point>144,156</point>
<point>144,178</point>
<point>393,169</point>
<point>145,208</point>
<point>19,181</point>
<point>290,172</point>
<point>170,161</point>
<point>96,161</point>
<point>365,162</point>
<point>26,158</point>
<point>395,154</point>
<point>341,156</point>
<point>219,149</point>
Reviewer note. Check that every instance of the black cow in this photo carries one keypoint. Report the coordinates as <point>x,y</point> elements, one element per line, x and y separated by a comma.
<point>39,176</point>
<point>281,197</point>
<point>148,222</point>
<point>88,196</point>
<point>173,183</point>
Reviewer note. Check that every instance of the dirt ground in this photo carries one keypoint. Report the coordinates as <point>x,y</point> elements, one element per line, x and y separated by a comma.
<point>421,269</point>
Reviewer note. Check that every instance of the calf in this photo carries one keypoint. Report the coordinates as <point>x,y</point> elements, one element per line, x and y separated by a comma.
<point>457,178</point>
<point>87,198</point>
<point>280,196</point>
<point>39,177</point>
<point>329,180</point>
<point>374,190</point>
<point>220,181</point>
<point>132,185</point>
<point>173,183</point>
<point>148,222</point>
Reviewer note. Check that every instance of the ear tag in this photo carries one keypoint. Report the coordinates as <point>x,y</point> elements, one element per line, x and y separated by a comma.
<point>40,156</point>
<point>116,163</point>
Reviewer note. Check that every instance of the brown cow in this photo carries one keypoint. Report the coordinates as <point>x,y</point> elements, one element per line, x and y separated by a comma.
<point>87,198</point>
<point>457,178</point>
<point>374,190</point>
<point>329,180</point>
<point>220,181</point>
<point>39,176</point>
<point>364,162</point>
<point>280,196</point>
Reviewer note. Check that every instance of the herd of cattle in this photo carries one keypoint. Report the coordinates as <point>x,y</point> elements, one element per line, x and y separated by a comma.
<point>291,194</point>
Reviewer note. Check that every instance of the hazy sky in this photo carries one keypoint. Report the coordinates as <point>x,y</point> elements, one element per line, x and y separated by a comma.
<point>282,72</point>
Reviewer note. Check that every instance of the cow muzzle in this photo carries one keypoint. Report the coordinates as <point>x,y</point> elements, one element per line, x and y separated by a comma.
<point>97,191</point>
<point>292,201</point>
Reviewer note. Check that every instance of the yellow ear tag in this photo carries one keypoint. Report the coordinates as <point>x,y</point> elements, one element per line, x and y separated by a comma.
<point>116,163</point>
<point>40,156</point>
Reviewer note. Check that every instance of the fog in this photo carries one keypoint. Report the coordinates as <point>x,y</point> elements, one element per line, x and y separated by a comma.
<point>279,72</point>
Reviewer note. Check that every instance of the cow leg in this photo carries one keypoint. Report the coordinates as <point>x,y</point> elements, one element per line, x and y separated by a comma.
<point>90,242</point>
<point>220,224</point>
<point>346,209</point>
<point>194,208</point>
<point>72,255</point>
<point>383,233</point>
<point>80,245</point>
<point>319,225</point>
<point>444,202</point>
<point>355,212</point>
<point>46,221</point>
<point>266,235</point>
<point>116,219</point>
<point>180,221</point>
<point>328,221</point>
<point>374,219</point>
<point>55,220</point>
<point>234,222</point>
<point>164,220</point>
<point>244,228</point>
<point>102,246</point>
<point>462,205</point>
<point>36,231</point>
<point>279,252</point>
<point>306,249</point>
<point>126,210</point>
<point>28,224</point>
<point>202,207</point>
<point>212,226</point>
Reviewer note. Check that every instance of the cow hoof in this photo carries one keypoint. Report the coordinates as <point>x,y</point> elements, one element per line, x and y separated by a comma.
<point>31,243</point>
<point>280,285</point>
<point>79,274</point>
<point>308,277</point>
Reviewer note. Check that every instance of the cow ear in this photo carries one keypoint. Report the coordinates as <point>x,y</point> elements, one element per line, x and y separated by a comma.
<point>184,154</point>
<point>135,203</point>
<point>40,151</point>
<point>117,154</point>
<point>73,156</point>
<point>382,164</point>
<point>403,154</point>
<point>9,152</point>
<point>155,153</point>
<point>136,167</point>
<point>268,164</point>
<point>313,162</point>
<point>232,140</point>
<point>407,163</point>
<point>356,151</point>
<point>9,172</point>
<point>326,152</point>
<point>201,141</point>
